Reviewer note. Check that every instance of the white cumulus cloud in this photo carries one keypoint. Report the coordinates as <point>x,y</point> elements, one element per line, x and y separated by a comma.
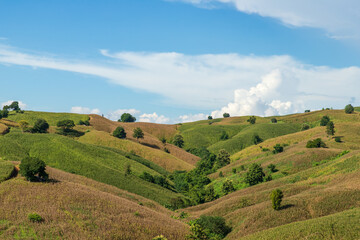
<point>192,117</point>
<point>154,118</point>
<point>115,115</point>
<point>85,110</point>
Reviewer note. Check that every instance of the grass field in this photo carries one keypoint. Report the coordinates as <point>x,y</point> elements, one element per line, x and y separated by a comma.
<point>83,159</point>
<point>3,129</point>
<point>74,207</point>
<point>6,169</point>
<point>159,157</point>
<point>51,118</point>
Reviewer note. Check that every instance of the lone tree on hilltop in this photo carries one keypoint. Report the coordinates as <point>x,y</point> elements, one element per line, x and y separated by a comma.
<point>40,126</point>
<point>255,174</point>
<point>66,125</point>
<point>273,120</point>
<point>324,120</point>
<point>330,128</point>
<point>178,140</point>
<point>276,198</point>
<point>33,169</point>
<point>210,117</point>
<point>138,133</point>
<point>127,117</point>
<point>349,109</point>
<point>226,115</point>
<point>23,125</point>
<point>252,120</point>
<point>119,132</point>
<point>14,106</point>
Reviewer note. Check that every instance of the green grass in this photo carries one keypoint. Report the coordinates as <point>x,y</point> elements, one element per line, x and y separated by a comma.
<point>6,169</point>
<point>245,137</point>
<point>51,118</point>
<point>98,163</point>
<point>344,225</point>
<point>198,135</point>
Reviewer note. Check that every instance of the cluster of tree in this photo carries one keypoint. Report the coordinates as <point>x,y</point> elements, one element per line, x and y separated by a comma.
<point>65,127</point>
<point>40,126</point>
<point>159,180</point>
<point>316,143</point>
<point>178,141</point>
<point>4,113</point>
<point>208,227</point>
<point>85,123</point>
<point>252,120</point>
<point>14,106</point>
<point>278,148</point>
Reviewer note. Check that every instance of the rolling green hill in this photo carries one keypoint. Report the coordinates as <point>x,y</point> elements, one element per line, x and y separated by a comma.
<point>83,159</point>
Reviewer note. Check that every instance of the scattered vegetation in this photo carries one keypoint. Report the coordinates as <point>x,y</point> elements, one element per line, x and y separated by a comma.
<point>252,120</point>
<point>40,126</point>
<point>273,120</point>
<point>119,132</point>
<point>276,197</point>
<point>34,217</point>
<point>278,148</point>
<point>33,169</point>
<point>254,175</point>
<point>330,128</point>
<point>316,143</point>
<point>208,227</point>
<point>324,120</point>
<point>178,141</point>
<point>138,133</point>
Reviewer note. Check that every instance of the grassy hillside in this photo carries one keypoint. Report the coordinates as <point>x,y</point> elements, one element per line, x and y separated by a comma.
<point>3,129</point>
<point>75,207</point>
<point>245,137</point>
<point>51,118</point>
<point>88,160</point>
<point>6,170</point>
<point>344,225</point>
<point>159,157</point>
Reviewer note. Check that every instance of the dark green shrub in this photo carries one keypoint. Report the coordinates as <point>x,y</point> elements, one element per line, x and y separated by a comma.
<point>234,170</point>
<point>257,139</point>
<point>162,139</point>
<point>265,149</point>
<point>338,139</point>
<point>166,150</point>
<point>128,170</point>
<point>226,115</point>
<point>278,149</point>
<point>119,132</point>
<point>160,237</point>
<point>224,136</point>
<point>305,126</point>
<point>147,177</point>
<point>228,187</point>
<point>40,126</point>
<point>268,178</point>
<point>307,111</point>
<point>272,168</point>
<point>138,133</point>
<point>252,120</point>
<point>273,120</point>
<point>349,109</point>
<point>34,217</point>
<point>254,175</point>
<point>221,174</point>
<point>178,140</point>
<point>330,128</point>
<point>214,226</point>
<point>66,124</point>
<point>210,117</point>
<point>276,197</point>
<point>33,169</point>
<point>317,143</point>
<point>86,122</point>
<point>222,159</point>
<point>324,120</point>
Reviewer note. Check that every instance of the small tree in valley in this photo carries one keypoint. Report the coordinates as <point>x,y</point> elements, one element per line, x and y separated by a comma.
<point>178,140</point>
<point>138,133</point>
<point>330,128</point>
<point>255,175</point>
<point>33,169</point>
<point>228,187</point>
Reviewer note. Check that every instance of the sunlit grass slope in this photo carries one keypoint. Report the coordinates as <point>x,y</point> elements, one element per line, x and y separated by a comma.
<point>88,160</point>
<point>6,169</point>
<point>74,207</point>
<point>159,157</point>
<point>51,118</point>
<point>3,129</point>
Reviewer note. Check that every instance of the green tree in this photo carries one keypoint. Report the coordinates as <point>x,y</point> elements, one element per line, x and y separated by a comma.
<point>252,120</point>
<point>40,126</point>
<point>228,187</point>
<point>254,175</point>
<point>276,197</point>
<point>138,133</point>
<point>119,132</point>
<point>224,136</point>
<point>214,226</point>
<point>278,149</point>
<point>178,140</point>
<point>127,117</point>
<point>15,106</point>
<point>210,117</point>
<point>324,120</point>
<point>274,120</point>
<point>330,128</point>
<point>305,126</point>
<point>272,167</point>
<point>4,113</point>
<point>349,109</point>
<point>33,169</point>
<point>197,232</point>
<point>317,143</point>
<point>128,170</point>
<point>23,125</point>
<point>257,139</point>
<point>226,115</point>
<point>222,160</point>
<point>66,124</point>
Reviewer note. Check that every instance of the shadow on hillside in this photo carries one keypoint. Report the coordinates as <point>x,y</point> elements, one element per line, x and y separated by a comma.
<point>286,206</point>
<point>52,180</point>
<point>150,145</point>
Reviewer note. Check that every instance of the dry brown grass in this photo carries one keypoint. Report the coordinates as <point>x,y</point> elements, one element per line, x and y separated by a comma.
<point>79,208</point>
<point>3,129</point>
<point>149,140</point>
<point>159,157</point>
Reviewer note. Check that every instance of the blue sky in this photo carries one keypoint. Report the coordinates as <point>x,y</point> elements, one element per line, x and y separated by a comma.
<point>175,61</point>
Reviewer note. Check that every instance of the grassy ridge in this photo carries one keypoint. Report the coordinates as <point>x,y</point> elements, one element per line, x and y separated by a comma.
<point>344,225</point>
<point>159,157</point>
<point>83,159</point>
<point>3,129</point>
<point>6,169</point>
<point>75,207</point>
<point>245,137</point>
<point>51,118</point>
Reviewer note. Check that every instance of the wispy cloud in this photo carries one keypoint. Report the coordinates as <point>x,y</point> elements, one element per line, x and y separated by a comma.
<point>340,18</point>
<point>85,110</point>
<point>213,81</point>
